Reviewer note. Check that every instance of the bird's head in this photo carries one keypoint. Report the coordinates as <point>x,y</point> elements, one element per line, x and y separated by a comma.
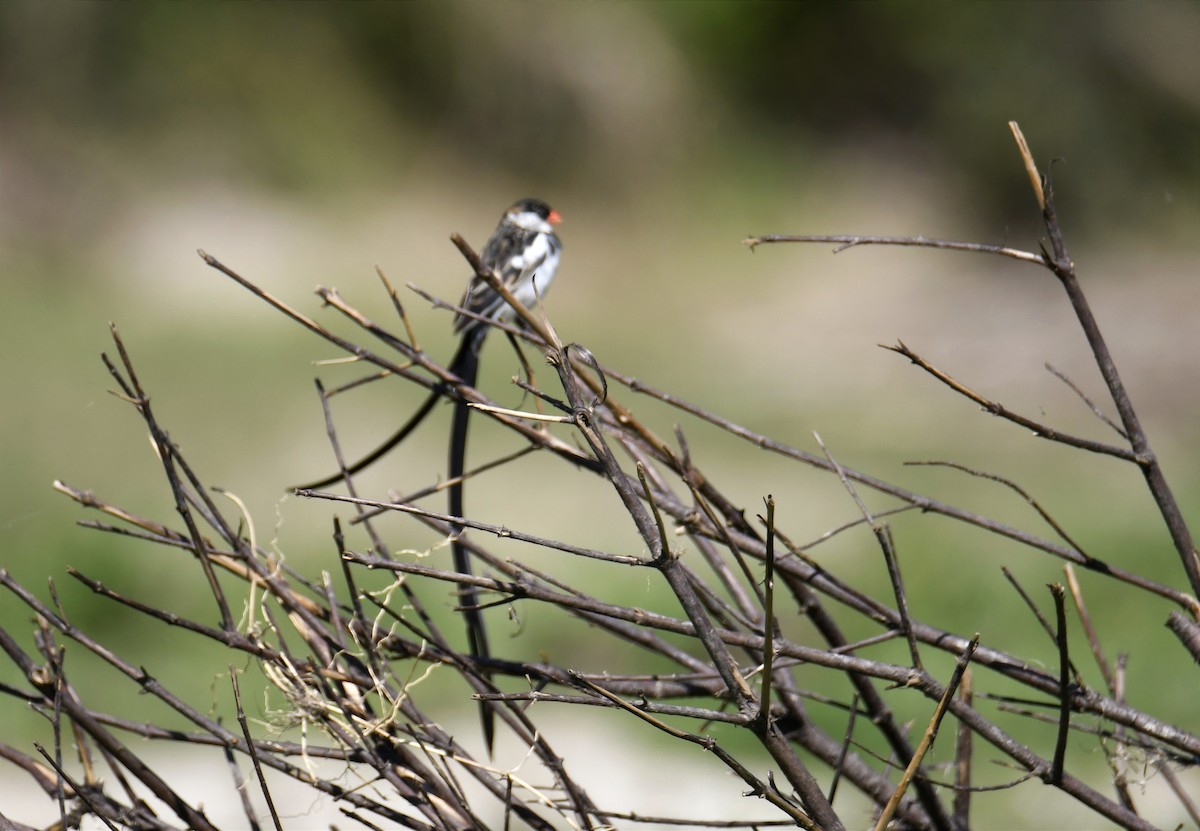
<point>533,215</point>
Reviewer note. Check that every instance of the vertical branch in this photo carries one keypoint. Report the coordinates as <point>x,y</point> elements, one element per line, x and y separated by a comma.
<point>1117,760</point>
<point>654,534</point>
<point>962,760</point>
<point>239,785</point>
<point>764,704</point>
<point>883,533</point>
<point>1061,264</point>
<point>1064,685</point>
<point>251,750</point>
<point>1089,630</point>
<point>54,658</point>
<point>846,740</point>
<point>167,455</point>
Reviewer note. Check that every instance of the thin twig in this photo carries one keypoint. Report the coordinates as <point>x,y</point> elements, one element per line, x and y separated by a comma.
<point>931,732</point>
<point>1091,405</point>
<point>846,740</point>
<point>764,700</point>
<point>1047,627</point>
<point>1020,491</point>
<point>710,745</point>
<point>962,759</point>
<point>1085,620</point>
<point>883,534</point>
<point>251,750</point>
<point>997,409</point>
<point>497,530</point>
<point>844,241</point>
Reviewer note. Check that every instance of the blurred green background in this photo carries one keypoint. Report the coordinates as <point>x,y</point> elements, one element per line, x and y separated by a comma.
<point>304,144</point>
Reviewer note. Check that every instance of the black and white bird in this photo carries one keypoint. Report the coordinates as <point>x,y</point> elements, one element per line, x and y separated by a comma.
<point>523,251</point>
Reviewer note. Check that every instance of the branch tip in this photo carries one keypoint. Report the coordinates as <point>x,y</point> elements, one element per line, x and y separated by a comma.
<point>1035,178</point>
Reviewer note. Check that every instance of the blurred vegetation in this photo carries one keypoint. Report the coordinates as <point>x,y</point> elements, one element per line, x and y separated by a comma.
<point>329,98</point>
<point>315,140</point>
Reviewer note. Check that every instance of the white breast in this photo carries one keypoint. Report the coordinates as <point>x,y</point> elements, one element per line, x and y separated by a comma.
<point>545,251</point>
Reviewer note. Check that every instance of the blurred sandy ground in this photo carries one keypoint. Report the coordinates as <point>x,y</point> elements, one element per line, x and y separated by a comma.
<point>652,781</point>
<point>300,151</point>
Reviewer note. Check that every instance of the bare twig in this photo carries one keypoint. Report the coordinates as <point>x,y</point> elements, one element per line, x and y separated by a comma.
<point>252,751</point>
<point>1060,263</point>
<point>883,533</point>
<point>1091,405</point>
<point>962,759</point>
<point>931,732</point>
<point>998,409</point>
<point>844,241</point>
<point>1187,632</point>
<point>764,699</point>
<point>759,788</point>
<point>1089,631</point>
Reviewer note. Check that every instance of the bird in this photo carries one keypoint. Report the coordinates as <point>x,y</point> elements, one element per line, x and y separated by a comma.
<point>523,252</point>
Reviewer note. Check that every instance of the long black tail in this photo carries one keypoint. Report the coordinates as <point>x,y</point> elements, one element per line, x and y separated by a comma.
<point>466,366</point>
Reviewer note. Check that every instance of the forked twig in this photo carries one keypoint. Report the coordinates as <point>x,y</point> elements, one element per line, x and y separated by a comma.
<point>349,660</point>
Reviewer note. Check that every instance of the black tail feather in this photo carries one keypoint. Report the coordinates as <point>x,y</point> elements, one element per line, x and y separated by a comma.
<point>413,422</point>
<point>466,367</point>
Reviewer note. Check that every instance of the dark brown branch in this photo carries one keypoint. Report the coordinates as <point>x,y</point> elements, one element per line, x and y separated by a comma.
<point>919,501</point>
<point>710,745</point>
<point>1060,263</point>
<point>1064,686</point>
<point>1188,633</point>
<point>252,751</point>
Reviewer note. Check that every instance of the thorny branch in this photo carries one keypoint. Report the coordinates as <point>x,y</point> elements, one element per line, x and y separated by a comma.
<point>750,632</point>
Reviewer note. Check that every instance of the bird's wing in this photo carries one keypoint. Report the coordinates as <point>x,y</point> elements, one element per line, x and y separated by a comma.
<point>502,255</point>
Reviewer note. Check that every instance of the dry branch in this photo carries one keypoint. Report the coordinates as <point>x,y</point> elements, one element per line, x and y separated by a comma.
<point>345,658</point>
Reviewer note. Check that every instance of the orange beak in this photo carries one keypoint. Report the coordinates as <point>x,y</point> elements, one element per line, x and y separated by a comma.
<point>554,218</point>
